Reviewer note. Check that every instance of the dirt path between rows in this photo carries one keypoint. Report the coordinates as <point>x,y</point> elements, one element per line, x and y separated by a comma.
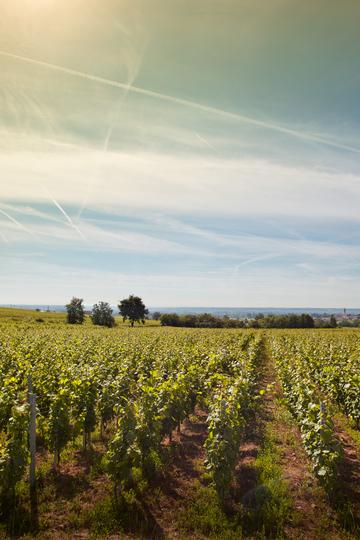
<point>185,468</point>
<point>312,517</point>
<point>348,492</point>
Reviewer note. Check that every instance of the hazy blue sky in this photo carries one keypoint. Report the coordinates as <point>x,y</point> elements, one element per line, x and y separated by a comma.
<point>201,152</point>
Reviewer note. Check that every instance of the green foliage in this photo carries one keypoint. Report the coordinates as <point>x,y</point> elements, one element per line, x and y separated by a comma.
<point>13,454</point>
<point>133,309</point>
<point>122,453</point>
<point>291,320</point>
<point>205,514</point>
<point>58,432</point>
<point>203,320</point>
<point>143,383</point>
<point>83,399</point>
<point>102,315</point>
<point>228,406</point>
<point>308,406</point>
<point>268,504</point>
<point>75,311</point>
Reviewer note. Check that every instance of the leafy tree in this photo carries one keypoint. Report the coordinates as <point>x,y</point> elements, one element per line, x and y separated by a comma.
<point>102,315</point>
<point>133,308</point>
<point>333,322</point>
<point>75,311</point>
<point>170,319</point>
<point>284,321</point>
<point>156,315</point>
<point>203,320</point>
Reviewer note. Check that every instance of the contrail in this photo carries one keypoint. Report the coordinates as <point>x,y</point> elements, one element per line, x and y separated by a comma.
<point>108,137</point>
<point>68,218</point>
<point>257,259</point>
<point>186,103</point>
<point>60,143</point>
<point>204,141</point>
<point>20,225</point>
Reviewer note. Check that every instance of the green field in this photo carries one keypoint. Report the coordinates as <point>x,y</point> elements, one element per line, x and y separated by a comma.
<point>33,316</point>
<point>152,432</point>
<point>18,314</point>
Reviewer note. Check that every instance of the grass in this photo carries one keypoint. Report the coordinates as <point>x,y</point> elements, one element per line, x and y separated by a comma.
<point>267,510</point>
<point>264,510</point>
<point>41,317</point>
<point>19,314</point>
<point>271,503</point>
<point>205,514</point>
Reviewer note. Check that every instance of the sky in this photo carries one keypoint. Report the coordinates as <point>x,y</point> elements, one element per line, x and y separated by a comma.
<point>193,152</point>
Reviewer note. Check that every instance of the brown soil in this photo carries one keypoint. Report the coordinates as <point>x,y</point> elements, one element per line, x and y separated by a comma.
<point>70,493</point>
<point>349,473</point>
<point>312,517</point>
<point>73,491</point>
<point>186,466</point>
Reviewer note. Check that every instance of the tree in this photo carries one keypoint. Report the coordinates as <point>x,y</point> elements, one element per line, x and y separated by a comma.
<point>133,308</point>
<point>156,315</point>
<point>170,319</point>
<point>102,315</point>
<point>333,321</point>
<point>75,311</point>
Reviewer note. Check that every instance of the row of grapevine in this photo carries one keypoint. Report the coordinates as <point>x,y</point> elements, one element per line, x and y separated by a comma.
<point>230,401</point>
<point>307,404</point>
<point>334,364</point>
<point>332,361</point>
<point>137,389</point>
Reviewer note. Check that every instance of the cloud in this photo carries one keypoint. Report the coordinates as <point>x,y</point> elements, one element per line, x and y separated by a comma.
<point>171,183</point>
<point>67,217</point>
<point>186,103</point>
<point>45,282</point>
<point>30,212</point>
<point>16,222</point>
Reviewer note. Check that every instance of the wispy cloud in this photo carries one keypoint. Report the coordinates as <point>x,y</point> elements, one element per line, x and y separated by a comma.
<point>30,212</point>
<point>204,141</point>
<point>187,103</point>
<point>255,288</point>
<point>258,259</point>
<point>68,218</point>
<point>249,201</point>
<point>17,223</point>
<point>172,184</point>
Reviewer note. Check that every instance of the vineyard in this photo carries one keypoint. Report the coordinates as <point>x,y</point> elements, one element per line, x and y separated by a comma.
<point>175,433</point>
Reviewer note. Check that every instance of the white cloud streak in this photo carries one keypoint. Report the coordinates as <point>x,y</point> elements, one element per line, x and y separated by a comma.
<point>205,141</point>
<point>172,184</point>
<point>28,211</point>
<point>184,102</point>
<point>68,218</point>
<point>17,223</point>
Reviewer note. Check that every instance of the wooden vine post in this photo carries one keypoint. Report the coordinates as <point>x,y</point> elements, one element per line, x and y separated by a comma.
<point>322,412</point>
<point>32,437</point>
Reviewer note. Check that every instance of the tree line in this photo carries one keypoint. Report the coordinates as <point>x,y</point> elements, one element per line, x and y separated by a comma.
<point>132,309</point>
<point>203,320</point>
<point>206,320</point>
<point>290,320</point>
